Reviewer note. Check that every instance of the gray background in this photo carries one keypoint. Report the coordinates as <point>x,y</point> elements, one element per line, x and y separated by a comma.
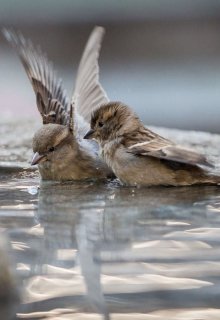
<point>162,57</point>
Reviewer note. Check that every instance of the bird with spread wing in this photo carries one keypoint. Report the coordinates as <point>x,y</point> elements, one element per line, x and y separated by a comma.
<point>59,148</point>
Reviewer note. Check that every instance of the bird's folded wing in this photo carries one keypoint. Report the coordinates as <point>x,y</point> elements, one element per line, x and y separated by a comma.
<point>52,101</point>
<point>88,93</point>
<point>164,149</point>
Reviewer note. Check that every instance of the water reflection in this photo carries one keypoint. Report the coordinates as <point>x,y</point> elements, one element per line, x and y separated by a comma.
<point>99,251</point>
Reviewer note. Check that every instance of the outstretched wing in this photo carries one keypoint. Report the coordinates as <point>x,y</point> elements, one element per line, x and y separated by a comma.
<point>52,101</point>
<point>164,149</point>
<point>88,93</point>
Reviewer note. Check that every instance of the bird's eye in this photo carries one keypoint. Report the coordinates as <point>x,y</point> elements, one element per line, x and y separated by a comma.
<point>100,124</point>
<point>51,149</point>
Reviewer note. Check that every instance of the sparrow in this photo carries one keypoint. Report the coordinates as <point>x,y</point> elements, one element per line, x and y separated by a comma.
<point>59,149</point>
<point>140,157</point>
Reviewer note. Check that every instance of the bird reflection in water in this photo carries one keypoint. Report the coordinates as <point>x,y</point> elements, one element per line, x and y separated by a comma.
<point>119,251</point>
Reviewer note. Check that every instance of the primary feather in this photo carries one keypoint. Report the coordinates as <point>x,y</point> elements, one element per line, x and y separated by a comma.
<point>88,93</point>
<point>42,76</point>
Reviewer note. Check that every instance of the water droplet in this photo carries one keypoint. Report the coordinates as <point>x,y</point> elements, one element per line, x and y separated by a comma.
<point>32,190</point>
<point>111,196</point>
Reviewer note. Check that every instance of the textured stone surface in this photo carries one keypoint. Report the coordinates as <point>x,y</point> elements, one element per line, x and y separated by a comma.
<point>16,140</point>
<point>15,144</point>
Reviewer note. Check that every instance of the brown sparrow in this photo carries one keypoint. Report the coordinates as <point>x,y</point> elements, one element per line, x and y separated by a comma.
<point>140,157</point>
<point>59,148</point>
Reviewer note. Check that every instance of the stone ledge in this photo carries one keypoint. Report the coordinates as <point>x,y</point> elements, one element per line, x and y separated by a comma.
<point>16,143</point>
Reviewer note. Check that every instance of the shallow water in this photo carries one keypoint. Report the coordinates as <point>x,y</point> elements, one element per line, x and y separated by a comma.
<point>85,249</point>
<point>102,251</point>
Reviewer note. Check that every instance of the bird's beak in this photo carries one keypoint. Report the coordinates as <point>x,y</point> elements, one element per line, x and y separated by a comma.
<point>37,158</point>
<point>89,134</point>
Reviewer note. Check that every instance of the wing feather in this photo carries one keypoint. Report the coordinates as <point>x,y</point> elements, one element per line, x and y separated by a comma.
<point>88,93</point>
<point>164,149</point>
<point>43,79</point>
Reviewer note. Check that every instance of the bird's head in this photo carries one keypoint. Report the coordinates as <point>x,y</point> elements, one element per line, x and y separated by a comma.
<point>111,121</point>
<point>50,142</point>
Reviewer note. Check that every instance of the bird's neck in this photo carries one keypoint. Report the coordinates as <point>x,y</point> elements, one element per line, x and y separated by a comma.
<point>108,149</point>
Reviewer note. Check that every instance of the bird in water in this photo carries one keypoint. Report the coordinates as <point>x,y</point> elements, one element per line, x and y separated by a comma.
<point>140,157</point>
<point>59,149</point>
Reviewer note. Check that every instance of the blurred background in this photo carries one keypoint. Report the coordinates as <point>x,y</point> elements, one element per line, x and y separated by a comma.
<point>162,57</point>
